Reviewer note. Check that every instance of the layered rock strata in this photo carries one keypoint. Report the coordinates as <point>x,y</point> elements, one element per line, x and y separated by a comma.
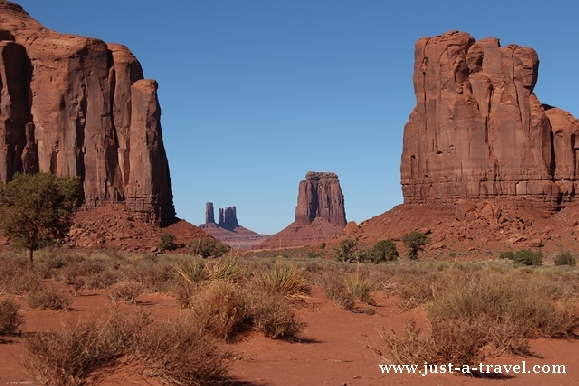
<point>479,131</point>
<point>78,106</point>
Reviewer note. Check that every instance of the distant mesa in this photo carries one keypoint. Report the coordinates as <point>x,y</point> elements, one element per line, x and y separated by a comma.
<point>320,213</point>
<point>228,230</point>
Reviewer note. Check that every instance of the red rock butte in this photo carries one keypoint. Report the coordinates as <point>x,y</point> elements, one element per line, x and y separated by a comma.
<point>320,213</point>
<point>78,106</point>
<point>478,131</point>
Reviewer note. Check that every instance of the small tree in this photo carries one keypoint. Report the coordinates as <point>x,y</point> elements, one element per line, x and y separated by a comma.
<point>384,250</point>
<point>346,250</point>
<point>167,242</point>
<point>37,209</point>
<point>414,241</point>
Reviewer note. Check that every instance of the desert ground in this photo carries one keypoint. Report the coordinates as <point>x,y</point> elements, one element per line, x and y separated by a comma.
<point>329,333</point>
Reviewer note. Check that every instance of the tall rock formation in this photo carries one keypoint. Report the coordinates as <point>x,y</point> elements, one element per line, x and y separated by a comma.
<point>78,106</point>
<point>320,195</point>
<point>209,214</point>
<point>320,213</point>
<point>228,218</point>
<point>479,131</point>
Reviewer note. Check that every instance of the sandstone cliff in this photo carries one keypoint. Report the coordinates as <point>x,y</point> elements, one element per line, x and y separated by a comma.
<point>78,106</point>
<point>320,213</point>
<point>478,130</point>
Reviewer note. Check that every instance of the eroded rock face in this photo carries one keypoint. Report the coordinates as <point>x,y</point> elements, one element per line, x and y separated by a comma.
<point>320,195</point>
<point>78,106</point>
<point>479,131</point>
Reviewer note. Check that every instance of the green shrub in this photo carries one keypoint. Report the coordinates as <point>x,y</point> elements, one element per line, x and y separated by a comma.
<point>384,250</point>
<point>167,242</point>
<point>565,258</point>
<point>507,255</point>
<point>524,256</point>
<point>207,247</point>
<point>414,241</point>
<point>346,251</point>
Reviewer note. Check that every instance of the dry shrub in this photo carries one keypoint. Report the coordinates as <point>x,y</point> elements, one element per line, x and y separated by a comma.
<point>16,276</point>
<point>274,317</point>
<point>335,289</point>
<point>222,309</point>
<point>345,290</point>
<point>179,353</point>
<point>282,279</point>
<point>9,318</point>
<point>503,297</point>
<point>47,298</point>
<point>159,277</point>
<point>482,315</point>
<point>126,292</point>
<point>101,280</point>
<point>415,289</point>
<point>184,292</point>
<point>175,351</point>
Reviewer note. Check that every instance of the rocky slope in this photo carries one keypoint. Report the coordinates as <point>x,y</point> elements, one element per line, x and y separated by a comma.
<point>320,213</point>
<point>478,131</point>
<point>78,106</point>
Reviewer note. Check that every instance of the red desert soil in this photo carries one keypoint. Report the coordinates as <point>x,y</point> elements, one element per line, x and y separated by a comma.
<point>333,351</point>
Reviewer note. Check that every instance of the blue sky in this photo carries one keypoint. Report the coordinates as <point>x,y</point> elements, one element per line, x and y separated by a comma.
<point>256,93</point>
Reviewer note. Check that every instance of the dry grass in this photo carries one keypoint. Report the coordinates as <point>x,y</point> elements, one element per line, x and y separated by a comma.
<point>175,351</point>
<point>47,298</point>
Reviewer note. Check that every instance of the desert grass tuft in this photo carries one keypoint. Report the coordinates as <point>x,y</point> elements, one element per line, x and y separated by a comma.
<point>283,279</point>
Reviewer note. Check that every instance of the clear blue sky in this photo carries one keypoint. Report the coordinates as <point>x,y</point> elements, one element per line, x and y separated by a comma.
<point>256,93</point>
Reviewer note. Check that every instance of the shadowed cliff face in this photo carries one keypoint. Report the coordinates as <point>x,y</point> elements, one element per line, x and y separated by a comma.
<point>77,106</point>
<point>479,131</point>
